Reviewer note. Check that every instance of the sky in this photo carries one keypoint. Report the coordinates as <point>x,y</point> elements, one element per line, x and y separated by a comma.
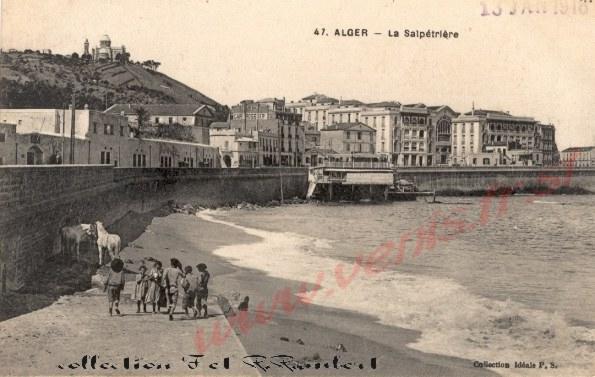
<point>538,65</point>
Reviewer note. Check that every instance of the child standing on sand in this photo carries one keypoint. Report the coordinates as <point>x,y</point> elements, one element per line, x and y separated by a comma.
<point>114,284</point>
<point>141,288</point>
<point>171,279</point>
<point>203,289</point>
<point>154,288</point>
<point>190,285</point>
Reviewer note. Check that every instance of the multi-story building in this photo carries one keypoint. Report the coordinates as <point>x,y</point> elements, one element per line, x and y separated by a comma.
<point>48,136</point>
<point>349,140</point>
<point>197,117</point>
<point>270,116</point>
<point>237,148</point>
<point>413,139</point>
<point>547,134</point>
<point>299,107</point>
<point>474,131</point>
<point>384,118</point>
<point>578,157</point>
<point>344,112</point>
<point>440,128</point>
<point>313,109</point>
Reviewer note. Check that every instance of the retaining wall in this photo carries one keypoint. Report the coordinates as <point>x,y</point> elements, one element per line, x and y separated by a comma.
<point>36,201</point>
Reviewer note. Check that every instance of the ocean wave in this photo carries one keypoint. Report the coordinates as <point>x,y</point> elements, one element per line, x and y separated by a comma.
<point>452,320</point>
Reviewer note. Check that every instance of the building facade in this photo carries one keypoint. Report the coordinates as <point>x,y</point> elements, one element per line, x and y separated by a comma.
<point>475,131</point>
<point>197,117</point>
<point>43,136</point>
<point>413,137</point>
<point>383,118</point>
<point>547,134</point>
<point>349,139</point>
<point>440,128</point>
<point>578,157</point>
<point>269,116</point>
<point>105,52</point>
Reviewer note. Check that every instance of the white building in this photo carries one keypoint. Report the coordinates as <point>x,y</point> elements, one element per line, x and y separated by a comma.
<point>579,157</point>
<point>43,136</point>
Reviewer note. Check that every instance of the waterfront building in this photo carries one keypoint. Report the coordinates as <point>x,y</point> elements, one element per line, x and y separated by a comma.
<point>578,157</point>
<point>440,128</point>
<point>476,130</point>
<point>197,117</point>
<point>269,116</point>
<point>413,137</point>
<point>384,118</point>
<point>43,136</point>
<point>549,149</point>
<point>349,140</point>
<point>237,148</point>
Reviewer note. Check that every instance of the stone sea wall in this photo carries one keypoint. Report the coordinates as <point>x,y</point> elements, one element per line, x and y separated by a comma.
<point>469,181</point>
<point>37,201</point>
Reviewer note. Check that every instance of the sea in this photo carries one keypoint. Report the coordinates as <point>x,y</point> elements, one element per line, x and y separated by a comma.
<point>503,279</point>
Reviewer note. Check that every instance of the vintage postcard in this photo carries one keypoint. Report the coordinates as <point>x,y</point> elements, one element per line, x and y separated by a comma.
<point>308,188</point>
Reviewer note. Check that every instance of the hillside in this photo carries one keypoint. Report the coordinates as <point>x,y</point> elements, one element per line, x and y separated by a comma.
<point>46,81</point>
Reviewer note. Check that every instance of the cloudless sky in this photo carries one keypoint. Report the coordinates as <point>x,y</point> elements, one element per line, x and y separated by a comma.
<point>539,65</point>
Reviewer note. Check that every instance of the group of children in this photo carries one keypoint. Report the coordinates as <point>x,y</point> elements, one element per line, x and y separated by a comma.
<point>162,287</point>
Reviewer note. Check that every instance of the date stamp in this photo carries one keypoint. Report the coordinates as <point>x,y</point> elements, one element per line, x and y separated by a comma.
<point>535,7</point>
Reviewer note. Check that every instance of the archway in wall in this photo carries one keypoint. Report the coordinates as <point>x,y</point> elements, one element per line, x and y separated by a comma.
<point>34,156</point>
<point>227,161</point>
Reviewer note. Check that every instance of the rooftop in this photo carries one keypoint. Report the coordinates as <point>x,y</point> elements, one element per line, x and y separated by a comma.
<point>347,127</point>
<point>579,149</point>
<point>160,109</point>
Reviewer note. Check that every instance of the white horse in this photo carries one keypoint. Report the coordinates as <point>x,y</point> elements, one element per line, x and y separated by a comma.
<point>72,236</point>
<point>111,242</point>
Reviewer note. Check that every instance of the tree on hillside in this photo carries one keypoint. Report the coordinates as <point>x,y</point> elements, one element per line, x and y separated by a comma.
<point>151,64</point>
<point>142,118</point>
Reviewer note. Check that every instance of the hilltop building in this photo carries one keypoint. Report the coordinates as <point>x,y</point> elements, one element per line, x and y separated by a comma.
<point>105,52</point>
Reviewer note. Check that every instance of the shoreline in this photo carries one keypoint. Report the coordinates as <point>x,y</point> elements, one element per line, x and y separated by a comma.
<point>300,331</point>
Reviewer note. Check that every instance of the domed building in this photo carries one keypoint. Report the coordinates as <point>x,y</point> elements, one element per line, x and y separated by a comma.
<point>105,52</point>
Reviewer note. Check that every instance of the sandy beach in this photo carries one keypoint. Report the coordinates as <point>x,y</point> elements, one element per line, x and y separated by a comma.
<point>79,325</point>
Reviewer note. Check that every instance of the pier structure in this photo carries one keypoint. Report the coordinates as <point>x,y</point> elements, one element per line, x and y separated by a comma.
<point>350,180</point>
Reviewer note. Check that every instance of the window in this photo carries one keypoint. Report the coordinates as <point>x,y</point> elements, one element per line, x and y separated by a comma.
<point>170,120</point>
<point>359,136</point>
<point>156,119</point>
<point>2,137</point>
<point>348,135</point>
<point>94,127</point>
<point>184,119</point>
<point>105,157</point>
<point>105,130</point>
<point>134,160</point>
<point>121,130</point>
<point>421,133</point>
<point>347,147</point>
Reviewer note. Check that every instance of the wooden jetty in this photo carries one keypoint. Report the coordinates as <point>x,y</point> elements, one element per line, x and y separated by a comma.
<point>359,181</point>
